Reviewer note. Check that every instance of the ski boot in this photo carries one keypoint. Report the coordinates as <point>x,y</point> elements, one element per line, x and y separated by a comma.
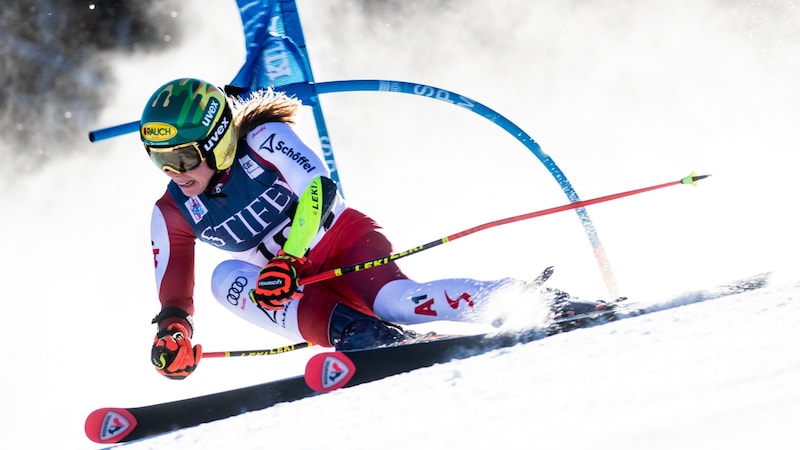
<point>567,313</point>
<point>353,330</point>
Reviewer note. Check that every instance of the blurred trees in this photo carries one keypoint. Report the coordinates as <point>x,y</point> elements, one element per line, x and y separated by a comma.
<point>54,75</point>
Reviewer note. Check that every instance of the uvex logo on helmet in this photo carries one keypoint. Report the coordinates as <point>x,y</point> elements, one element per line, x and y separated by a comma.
<point>219,132</point>
<point>158,131</point>
<point>211,111</point>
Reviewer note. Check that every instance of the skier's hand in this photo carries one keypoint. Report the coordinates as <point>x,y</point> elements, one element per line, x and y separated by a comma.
<point>173,354</point>
<point>277,282</point>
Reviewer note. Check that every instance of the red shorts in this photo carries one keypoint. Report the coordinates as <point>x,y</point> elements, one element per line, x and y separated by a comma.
<point>353,239</point>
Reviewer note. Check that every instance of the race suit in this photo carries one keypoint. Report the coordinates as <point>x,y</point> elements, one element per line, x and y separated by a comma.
<point>248,212</point>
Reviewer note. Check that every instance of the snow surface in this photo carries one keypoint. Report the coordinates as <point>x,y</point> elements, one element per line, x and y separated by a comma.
<point>621,96</point>
<point>722,374</point>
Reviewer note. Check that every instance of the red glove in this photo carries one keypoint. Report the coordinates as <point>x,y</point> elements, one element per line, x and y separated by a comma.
<point>173,354</point>
<point>277,282</point>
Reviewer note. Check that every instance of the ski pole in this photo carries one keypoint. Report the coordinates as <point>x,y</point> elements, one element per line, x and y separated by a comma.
<point>262,352</point>
<point>691,179</point>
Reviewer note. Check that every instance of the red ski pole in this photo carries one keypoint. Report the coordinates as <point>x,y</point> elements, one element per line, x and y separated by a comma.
<point>691,179</point>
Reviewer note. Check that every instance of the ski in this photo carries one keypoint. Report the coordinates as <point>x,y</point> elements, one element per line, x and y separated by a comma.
<point>329,371</point>
<point>334,370</point>
<point>113,425</point>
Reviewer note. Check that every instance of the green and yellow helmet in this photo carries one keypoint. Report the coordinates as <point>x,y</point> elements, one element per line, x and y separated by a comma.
<point>186,122</point>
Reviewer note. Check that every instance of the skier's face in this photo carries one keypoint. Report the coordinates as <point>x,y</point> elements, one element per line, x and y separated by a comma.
<point>193,182</point>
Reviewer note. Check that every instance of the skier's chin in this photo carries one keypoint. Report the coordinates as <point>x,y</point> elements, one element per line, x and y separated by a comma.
<point>191,188</point>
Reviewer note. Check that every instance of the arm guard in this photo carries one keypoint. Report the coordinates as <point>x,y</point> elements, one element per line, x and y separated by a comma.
<point>313,212</point>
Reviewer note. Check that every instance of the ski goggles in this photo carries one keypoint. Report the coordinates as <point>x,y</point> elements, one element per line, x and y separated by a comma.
<point>178,158</point>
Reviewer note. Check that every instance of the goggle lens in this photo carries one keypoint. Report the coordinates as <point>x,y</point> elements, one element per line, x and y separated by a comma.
<point>180,158</point>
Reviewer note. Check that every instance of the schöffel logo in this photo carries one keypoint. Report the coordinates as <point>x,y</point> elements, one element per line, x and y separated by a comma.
<point>158,131</point>
<point>272,145</point>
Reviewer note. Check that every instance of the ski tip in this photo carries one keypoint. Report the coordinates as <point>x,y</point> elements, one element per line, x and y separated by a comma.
<point>693,178</point>
<point>326,372</point>
<point>109,425</point>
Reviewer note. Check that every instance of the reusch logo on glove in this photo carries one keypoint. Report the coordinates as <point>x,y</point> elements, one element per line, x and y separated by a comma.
<point>271,282</point>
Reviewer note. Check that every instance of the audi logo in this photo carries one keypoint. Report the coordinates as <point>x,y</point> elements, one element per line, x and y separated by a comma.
<point>236,289</point>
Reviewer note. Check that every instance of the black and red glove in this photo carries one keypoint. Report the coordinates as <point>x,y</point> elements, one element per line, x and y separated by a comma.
<point>173,354</point>
<point>277,282</point>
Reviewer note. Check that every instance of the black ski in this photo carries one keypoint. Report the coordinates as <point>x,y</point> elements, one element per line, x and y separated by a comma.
<point>334,370</point>
<point>329,371</point>
<point>112,425</point>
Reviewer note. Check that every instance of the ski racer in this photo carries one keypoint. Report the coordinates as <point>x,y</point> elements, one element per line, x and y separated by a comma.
<point>243,181</point>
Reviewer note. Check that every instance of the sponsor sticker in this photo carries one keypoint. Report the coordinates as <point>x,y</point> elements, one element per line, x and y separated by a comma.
<point>196,208</point>
<point>252,169</point>
<point>158,131</point>
<point>335,372</point>
<point>114,424</point>
<point>328,371</point>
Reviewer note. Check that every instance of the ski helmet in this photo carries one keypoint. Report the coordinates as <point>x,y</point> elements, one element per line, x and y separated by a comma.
<point>186,122</point>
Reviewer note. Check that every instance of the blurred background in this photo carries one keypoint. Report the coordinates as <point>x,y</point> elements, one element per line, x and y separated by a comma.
<point>56,58</point>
